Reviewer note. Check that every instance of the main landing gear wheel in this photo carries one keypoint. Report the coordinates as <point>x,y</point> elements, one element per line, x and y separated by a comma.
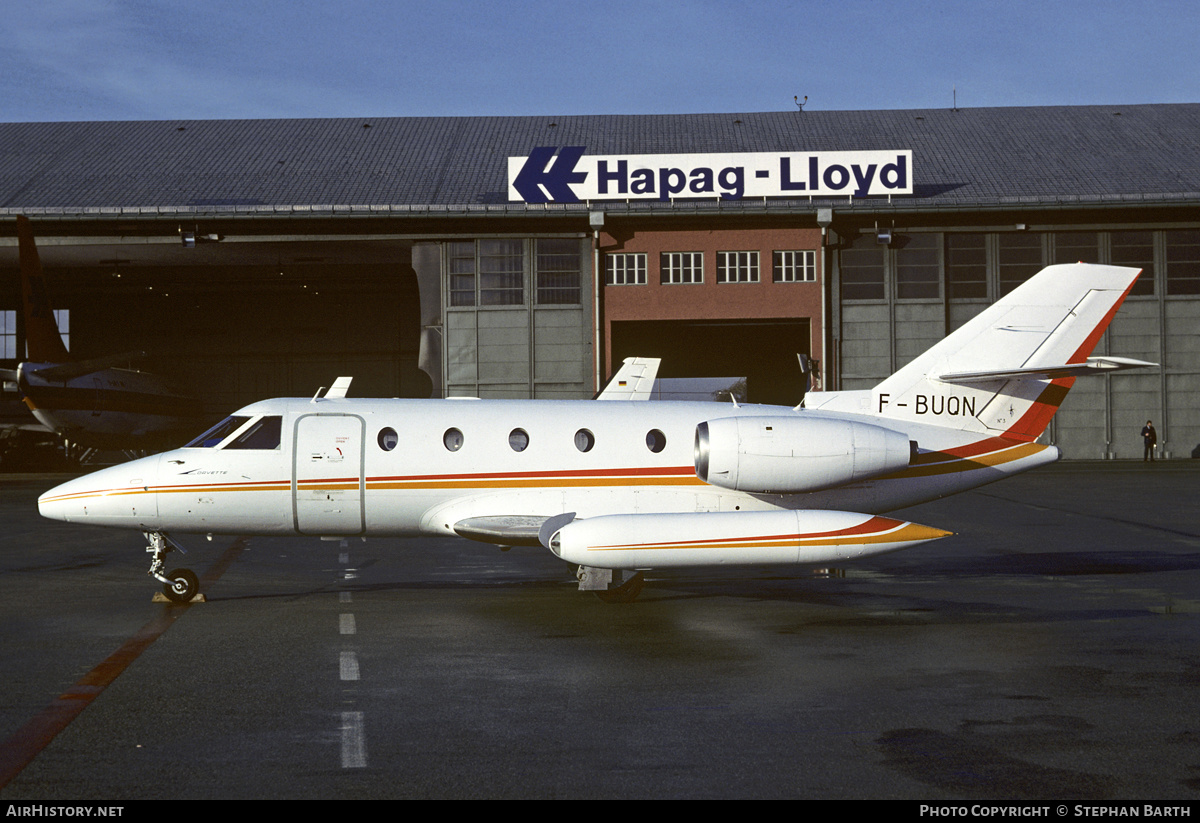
<point>627,592</point>
<point>183,586</point>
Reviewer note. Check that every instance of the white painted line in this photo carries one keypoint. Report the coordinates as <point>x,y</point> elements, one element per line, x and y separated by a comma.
<point>344,597</point>
<point>354,744</point>
<point>349,666</point>
<point>346,623</point>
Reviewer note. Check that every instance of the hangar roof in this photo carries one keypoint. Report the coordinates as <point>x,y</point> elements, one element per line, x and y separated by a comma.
<point>963,159</point>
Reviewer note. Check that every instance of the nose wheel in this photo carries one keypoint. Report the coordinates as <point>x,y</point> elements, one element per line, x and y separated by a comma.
<point>180,585</point>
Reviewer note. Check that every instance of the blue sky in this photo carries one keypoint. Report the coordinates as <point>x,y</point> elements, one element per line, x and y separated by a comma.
<point>146,60</point>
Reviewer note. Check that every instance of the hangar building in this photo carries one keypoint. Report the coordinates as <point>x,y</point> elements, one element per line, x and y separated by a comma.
<point>526,256</point>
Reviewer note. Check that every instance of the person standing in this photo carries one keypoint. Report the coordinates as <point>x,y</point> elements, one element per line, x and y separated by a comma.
<point>1149,440</point>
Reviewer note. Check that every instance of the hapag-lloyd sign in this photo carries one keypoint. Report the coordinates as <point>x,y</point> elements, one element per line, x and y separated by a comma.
<point>572,177</point>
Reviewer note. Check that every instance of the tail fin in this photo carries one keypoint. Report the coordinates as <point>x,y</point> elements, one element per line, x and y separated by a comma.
<point>1006,371</point>
<point>41,332</point>
<point>633,381</point>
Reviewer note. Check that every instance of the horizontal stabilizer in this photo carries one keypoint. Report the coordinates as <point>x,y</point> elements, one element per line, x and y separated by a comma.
<point>1093,366</point>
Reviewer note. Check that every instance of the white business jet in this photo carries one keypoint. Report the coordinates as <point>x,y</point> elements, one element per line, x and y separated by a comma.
<point>623,486</point>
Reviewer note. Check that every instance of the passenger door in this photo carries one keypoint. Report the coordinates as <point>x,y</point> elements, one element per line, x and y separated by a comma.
<point>327,478</point>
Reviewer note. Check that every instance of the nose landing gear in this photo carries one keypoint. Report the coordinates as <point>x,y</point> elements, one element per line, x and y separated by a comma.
<point>179,585</point>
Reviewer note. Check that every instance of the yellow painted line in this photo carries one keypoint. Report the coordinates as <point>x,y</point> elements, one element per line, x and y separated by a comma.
<point>910,533</point>
<point>965,464</point>
<point>533,483</point>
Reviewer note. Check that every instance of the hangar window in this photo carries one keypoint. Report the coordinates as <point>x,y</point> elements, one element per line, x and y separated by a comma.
<point>625,269</point>
<point>656,441</point>
<point>1018,258</point>
<point>919,267</point>
<point>8,335</point>
<point>737,267</point>
<point>501,272</point>
<point>862,269</point>
<point>966,266</point>
<point>1077,247</point>
<point>461,262</point>
<point>263,433</point>
<point>795,267</point>
<point>681,267</point>
<point>1136,250</point>
<point>1183,262</point>
<point>218,433</point>
<point>558,271</point>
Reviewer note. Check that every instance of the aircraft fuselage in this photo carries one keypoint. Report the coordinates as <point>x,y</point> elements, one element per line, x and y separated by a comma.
<point>344,467</point>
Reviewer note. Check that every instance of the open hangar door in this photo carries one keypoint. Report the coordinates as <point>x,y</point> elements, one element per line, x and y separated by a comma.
<point>234,322</point>
<point>761,351</point>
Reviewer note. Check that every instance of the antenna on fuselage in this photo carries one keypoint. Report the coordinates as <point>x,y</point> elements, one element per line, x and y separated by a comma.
<point>338,390</point>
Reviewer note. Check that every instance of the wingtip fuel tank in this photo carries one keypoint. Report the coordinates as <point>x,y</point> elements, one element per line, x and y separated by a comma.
<point>633,541</point>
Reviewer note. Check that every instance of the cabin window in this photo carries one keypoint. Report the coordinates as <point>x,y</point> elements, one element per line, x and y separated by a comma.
<point>584,440</point>
<point>452,440</point>
<point>518,440</point>
<point>218,433</point>
<point>656,441</point>
<point>264,433</point>
<point>388,439</point>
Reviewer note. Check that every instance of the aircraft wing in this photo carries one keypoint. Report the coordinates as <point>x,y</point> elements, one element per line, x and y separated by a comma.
<point>1093,366</point>
<point>504,530</point>
<point>68,371</point>
<point>633,381</point>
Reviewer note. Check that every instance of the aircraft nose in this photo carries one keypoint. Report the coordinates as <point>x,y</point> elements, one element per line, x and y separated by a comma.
<point>63,501</point>
<point>123,495</point>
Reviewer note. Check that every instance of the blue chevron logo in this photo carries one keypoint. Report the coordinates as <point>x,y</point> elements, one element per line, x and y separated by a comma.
<point>538,177</point>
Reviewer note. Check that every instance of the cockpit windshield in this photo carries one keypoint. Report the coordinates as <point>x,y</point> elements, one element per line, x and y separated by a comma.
<point>217,433</point>
<point>262,434</point>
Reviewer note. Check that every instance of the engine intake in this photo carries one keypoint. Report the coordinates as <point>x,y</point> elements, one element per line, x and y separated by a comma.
<point>789,455</point>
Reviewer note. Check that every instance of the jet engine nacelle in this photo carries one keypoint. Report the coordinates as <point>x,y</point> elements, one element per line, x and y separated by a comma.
<point>789,455</point>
